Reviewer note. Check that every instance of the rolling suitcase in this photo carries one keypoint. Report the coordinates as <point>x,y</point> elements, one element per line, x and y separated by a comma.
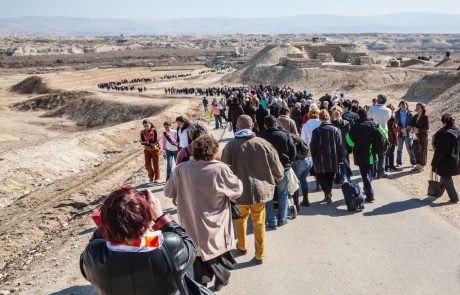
<point>353,196</point>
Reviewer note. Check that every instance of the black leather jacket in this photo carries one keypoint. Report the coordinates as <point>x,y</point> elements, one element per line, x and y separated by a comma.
<point>113,272</point>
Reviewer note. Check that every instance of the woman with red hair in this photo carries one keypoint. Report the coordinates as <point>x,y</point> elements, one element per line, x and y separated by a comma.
<point>137,249</point>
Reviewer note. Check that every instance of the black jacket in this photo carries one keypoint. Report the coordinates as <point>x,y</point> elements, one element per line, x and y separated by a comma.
<point>326,148</point>
<point>446,158</point>
<point>235,110</point>
<point>351,117</point>
<point>283,144</point>
<point>363,138</point>
<point>261,113</point>
<point>126,273</point>
<point>409,117</point>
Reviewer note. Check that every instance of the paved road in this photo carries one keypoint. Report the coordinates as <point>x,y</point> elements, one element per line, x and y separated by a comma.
<point>396,245</point>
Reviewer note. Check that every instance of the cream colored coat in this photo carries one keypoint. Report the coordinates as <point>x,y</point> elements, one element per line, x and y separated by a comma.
<point>203,191</point>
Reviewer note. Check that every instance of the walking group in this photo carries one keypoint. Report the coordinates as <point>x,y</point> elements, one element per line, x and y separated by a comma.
<point>281,137</point>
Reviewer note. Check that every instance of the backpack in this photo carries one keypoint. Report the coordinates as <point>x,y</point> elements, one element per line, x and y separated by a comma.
<point>302,148</point>
<point>382,143</point>
<point>353,196</point>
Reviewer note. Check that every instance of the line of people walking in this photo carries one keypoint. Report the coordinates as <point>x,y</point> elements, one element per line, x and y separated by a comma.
<point>259,174</point>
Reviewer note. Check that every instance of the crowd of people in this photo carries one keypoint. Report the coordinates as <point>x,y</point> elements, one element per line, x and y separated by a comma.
<point>281,137</point>
<point>121,85</point>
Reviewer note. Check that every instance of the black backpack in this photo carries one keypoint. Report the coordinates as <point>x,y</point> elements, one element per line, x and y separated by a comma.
<point>301,147</point>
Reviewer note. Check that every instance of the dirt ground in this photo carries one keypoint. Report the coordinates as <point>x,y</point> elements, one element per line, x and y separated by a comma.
<point>53,172</point>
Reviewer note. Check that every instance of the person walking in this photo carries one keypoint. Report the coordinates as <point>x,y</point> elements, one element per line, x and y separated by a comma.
<point>261,113</point>
<point>344,173</point>
<point>183,140</point>
<point>286,152</point>
<point>393,130</point>
<point>348,113</point>
<point>327,152</point>
<point>170,147</point>
<point>256,163</point>
<point>234,111</point>
<point>404,118</point>
<point>312,123</point>
<point>285,122</point>
<point>195,130</point>
<point>302,166</point>
<point>149,139</point>
<point>380,114</point>
<point>128,252</point>
<point>202,189</point>
<point>216,110</point>
<point>420,124</point>
<point>364,139</point>
<point>205,104</point>
<point>446,158</point>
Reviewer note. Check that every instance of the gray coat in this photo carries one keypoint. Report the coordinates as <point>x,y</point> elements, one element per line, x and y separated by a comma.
<point>256,163</point>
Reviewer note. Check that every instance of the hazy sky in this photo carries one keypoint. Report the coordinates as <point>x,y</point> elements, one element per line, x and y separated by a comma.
<point>165,9</point>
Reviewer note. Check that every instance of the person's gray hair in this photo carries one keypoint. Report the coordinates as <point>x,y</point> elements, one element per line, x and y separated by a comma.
<point>381,99</point>
<point>197,129</point>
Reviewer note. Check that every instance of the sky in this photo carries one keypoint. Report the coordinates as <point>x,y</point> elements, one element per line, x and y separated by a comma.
<point>170,9</point>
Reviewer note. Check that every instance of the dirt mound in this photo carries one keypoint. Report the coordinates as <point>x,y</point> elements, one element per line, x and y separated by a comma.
<point>48,102</point>
<point>431,86</point>
<point>85,110</point>
<point>447,63</point>
<point>262,68</point>
<point>92,112</point>
<point>448,102</point>
<point>32,84</point>
<point>271,55</point>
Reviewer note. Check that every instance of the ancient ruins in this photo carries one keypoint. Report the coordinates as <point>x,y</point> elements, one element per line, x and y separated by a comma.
<point>316,54</point>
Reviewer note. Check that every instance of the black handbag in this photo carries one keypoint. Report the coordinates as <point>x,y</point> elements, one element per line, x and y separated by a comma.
<point>416,146</point>
<point>435,187</point>
<point>236,213</point>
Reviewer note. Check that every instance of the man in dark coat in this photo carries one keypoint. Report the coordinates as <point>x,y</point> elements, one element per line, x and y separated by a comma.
<point>235,110</point>
<point>261,113</point>
<point>363,138</point>
<point>287,153</point>
<point>327,153</point>
<point>446,158</point>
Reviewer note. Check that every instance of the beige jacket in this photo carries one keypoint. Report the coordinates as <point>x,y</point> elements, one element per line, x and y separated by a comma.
<point>255,161</point>
<point>287,124</point>
<point>203,190</point>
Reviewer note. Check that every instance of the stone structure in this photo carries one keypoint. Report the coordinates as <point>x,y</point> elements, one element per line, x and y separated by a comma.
<point>315,54</point>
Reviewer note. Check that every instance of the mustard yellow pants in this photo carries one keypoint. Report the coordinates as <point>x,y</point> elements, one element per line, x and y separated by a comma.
<point>257,213</point>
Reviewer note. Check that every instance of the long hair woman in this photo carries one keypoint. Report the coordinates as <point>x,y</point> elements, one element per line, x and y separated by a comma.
<point>202,188</point>
<point>420,126</point>
<point>182,132</point>
<point>149,139</point>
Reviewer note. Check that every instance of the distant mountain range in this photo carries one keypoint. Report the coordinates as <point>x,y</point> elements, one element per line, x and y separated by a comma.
<point>74,26</point>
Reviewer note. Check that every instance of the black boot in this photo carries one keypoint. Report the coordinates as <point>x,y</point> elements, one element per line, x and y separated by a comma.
<point>305,201</point>
<point>295,197</point>
<point>328,198</point>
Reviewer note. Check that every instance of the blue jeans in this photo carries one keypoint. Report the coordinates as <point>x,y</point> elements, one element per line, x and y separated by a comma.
<point>283,196</point>
<point>343,174</point>
<point>170,158</point>
<point>301,170</point>
<point>408,142</point>
<point>381,159</point>
<point>366,174</point>
<point>218,121</point>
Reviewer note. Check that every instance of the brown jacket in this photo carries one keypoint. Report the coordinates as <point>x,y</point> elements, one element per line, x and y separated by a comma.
<point>256,163</point>
<point>202,190</point>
